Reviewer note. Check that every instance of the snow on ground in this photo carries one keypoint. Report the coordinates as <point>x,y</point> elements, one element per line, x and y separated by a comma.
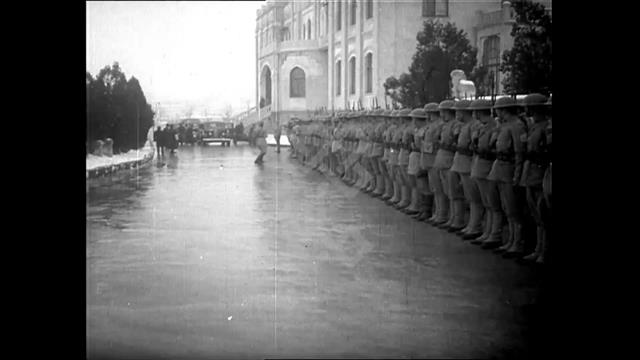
<point>271,140</point>
<point>94,162</point>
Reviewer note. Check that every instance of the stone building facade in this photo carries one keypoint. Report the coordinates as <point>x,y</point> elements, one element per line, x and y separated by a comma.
<point>337,54</point>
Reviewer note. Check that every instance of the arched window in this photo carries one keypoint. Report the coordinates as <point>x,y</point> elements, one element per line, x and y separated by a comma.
<point>369,9</point>
<point>266,85</point>
<point>338,77</point>
<point>353,12</point>
<point>296,83</point>
<point>368,64</point>
<point>308,28</point>
<point>352,76</point>
<point>338,15</point>
<point>304,31</point>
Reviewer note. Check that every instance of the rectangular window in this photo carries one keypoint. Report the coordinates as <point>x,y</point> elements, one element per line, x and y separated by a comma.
<point>442,8</point>
<point>352,76</point>
<point>369,9</point>
<point>433,8</point>
<point>338,15</point>
<point>369,73</point>
<point>338,77</point>
<point>354,6</point>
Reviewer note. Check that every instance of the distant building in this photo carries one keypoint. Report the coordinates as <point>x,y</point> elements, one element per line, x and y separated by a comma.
<point>337,54</point>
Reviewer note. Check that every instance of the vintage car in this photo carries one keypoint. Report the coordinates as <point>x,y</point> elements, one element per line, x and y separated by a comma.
<point>216,132</point>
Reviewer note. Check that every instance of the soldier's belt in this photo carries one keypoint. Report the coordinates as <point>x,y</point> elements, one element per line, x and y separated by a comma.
<point>486,155</point>
<point>537,158</point>
<point>464,151</point>
<point>509,157</point>
<point>448,147</point>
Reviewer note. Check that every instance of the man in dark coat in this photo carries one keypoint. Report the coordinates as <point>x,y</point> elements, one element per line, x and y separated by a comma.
<point>158,139</point>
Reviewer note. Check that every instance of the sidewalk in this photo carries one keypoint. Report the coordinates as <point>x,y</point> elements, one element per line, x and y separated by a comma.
<point>102,165</point>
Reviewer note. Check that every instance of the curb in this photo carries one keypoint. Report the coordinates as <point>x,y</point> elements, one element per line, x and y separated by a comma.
<point>110,169</point>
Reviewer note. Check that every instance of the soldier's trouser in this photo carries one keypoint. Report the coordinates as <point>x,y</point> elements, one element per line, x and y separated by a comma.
<point>437,188</point>
<point>509,202</point>
<point>535,200</point>
<point>456,199</point>
<point>473,197</point>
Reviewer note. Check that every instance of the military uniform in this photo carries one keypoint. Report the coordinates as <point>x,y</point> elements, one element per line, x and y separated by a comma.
<point>387,137</point>
<point>414,169</point>
<point>462,166</point>
<point>430,145</point>
<point>483,141</point>
<point>535,165</point>
<point>444,161</point>
<point>377,151</point>
<point>506,171</point>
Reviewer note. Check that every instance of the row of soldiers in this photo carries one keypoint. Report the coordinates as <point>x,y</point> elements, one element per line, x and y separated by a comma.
<point>476,168</point>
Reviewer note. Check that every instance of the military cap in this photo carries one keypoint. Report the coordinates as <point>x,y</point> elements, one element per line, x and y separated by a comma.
<point>388,113</point>
<point>394,113</point>
<point>404,113</point>
<point>462,105</point>
<point>431,107</point>
<point>480,104</point>
<point>505,102</point>
<point>535,100</point>
<point>446,105</point>
<point>418,113</point>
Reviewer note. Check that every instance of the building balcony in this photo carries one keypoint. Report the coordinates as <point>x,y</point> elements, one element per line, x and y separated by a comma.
<point>267,50</point>
<point>496,18</point>
<point>300,45</point>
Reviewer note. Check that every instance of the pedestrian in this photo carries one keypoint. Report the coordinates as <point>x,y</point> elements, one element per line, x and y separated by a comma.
<point>277,135</point>
<point>507,169</point>
<point>159,141</point>
<point>171,137</point>
<point>261,142</point>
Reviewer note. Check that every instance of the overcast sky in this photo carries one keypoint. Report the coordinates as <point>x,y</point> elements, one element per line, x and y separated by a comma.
<point>202,52</point>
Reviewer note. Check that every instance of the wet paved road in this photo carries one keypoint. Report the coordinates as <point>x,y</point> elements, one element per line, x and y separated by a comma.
<point>212,256</point>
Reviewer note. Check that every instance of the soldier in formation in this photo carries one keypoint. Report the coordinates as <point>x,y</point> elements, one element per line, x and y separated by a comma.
<point>476,168</point>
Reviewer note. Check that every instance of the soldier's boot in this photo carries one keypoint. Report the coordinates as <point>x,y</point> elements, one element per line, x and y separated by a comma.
<point>475,222</point>
<point>369,181</point>
<point>427,205</point>
<point>406,197</point>
<point>443,210</point>
<point>450,214</point>
<point>360,182</point>
<point>413,203</point>
<point>534,255</point>
<point>373,183</point>
<point>388,189</point>
<point>545,248</point>
<point>487,228</point>
<point>396,193</point>
<point>435,210</point>
<point>507,244</point>
<point>422,206</point>
<point>495,237</point>
<point>380,183</point>
<point>517,247</point>
<point>458,216</point>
